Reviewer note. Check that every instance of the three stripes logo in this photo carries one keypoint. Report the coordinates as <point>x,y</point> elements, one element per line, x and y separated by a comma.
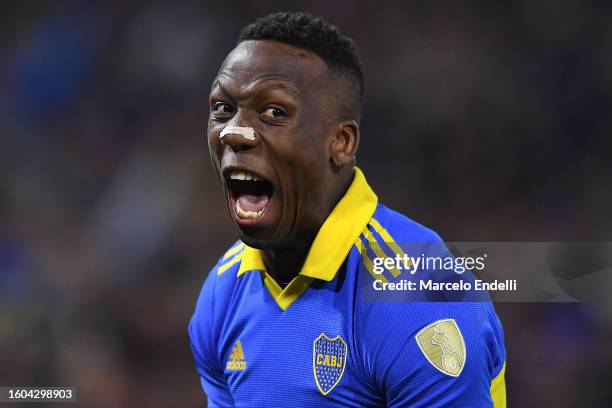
<point>236,359</point>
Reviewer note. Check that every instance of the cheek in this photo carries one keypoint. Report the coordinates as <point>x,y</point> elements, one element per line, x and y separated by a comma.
<point>212,135</point>
<point>213,141</point>
<point>304,142</point>
<point>305,168</point>
<point>297,155</point>
<point>215,148</point>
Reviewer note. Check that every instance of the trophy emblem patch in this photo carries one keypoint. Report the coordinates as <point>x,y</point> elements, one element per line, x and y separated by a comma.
<point>442,344</point>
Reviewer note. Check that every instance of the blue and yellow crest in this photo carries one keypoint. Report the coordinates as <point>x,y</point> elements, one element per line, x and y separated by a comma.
<point>328,361</point>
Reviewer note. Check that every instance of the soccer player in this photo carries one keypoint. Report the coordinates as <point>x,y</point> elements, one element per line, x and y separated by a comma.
<point>281,320</point>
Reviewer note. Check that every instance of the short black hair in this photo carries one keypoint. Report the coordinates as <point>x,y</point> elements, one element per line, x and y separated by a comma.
<point>314,34</point>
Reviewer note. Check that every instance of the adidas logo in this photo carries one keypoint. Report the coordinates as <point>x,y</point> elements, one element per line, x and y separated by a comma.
<point>236,359</point>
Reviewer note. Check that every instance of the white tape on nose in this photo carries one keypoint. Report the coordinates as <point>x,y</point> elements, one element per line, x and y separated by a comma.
<point>246,132</point>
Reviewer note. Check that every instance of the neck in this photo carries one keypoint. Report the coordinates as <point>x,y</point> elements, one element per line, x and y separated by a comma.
<point>285,264</point>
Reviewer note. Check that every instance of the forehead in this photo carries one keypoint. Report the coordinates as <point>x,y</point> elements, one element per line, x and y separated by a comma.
<point>253,61</point>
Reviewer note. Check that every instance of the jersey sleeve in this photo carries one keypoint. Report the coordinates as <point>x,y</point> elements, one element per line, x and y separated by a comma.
<point>428,348</point>
<point>203,347</point>
<point>426,366</point>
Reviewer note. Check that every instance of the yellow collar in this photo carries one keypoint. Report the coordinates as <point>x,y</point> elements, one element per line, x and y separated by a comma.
<point>335,238</point>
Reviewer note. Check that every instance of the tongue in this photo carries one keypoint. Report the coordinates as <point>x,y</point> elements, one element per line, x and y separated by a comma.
<point>251,202</point>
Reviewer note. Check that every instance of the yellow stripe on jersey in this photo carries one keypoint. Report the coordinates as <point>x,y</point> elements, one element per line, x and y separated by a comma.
<point>368,264</point>
<point>229,264</point>
<point>498,389</point>
<point>378,250</point>
<point>386,237</point>
<point>233,250</point>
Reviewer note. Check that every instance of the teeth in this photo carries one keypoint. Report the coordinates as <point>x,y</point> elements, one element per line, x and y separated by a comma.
<point>237,175</point>
<point>244,175</point>
<point>247,214</point>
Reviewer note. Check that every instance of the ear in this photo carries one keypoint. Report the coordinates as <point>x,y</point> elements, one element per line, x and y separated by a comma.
<point>344,143</point>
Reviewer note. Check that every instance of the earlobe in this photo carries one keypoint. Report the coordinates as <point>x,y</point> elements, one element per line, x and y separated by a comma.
<point>344,144</point>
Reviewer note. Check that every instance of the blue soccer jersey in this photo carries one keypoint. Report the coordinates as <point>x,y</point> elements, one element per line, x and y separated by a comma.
<point>318,342</point>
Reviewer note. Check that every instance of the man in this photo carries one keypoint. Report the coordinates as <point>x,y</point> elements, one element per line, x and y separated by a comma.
<point>281,319</point>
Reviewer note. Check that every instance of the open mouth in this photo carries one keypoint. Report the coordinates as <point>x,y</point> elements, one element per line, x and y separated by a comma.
<point>249,194</point>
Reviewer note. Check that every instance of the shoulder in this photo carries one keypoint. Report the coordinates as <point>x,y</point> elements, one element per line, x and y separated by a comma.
<point>400,228</point>
<point>219,282</point>
<point>210,311</point>
<point>399,322</point>
<point>230,260</point>
<point>394,323</point>
<point>214,300</point>
<point>449,351</point>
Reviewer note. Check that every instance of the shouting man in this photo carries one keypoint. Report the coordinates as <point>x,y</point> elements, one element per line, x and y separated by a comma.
<point>281,319</point>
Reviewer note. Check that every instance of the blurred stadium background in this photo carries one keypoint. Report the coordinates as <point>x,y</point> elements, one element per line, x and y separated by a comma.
<point>484,121</point>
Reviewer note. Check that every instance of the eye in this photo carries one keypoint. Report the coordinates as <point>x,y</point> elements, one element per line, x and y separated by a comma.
<point>222,107</point>
<point>273,113</point>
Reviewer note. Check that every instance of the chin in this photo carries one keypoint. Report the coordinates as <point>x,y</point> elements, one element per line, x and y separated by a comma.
<point>255,239</point>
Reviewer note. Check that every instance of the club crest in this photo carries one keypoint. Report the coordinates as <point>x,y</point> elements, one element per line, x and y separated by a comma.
<point>328,361</point>
<point>442,344</point>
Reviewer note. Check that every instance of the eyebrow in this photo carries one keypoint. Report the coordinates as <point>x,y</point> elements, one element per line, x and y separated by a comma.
<point>258,83</point>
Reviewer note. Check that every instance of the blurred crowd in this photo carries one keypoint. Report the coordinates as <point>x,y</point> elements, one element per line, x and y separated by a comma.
<point>482,121</point>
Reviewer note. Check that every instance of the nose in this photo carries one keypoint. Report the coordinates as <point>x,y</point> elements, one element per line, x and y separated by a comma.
<point>238,137</point>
